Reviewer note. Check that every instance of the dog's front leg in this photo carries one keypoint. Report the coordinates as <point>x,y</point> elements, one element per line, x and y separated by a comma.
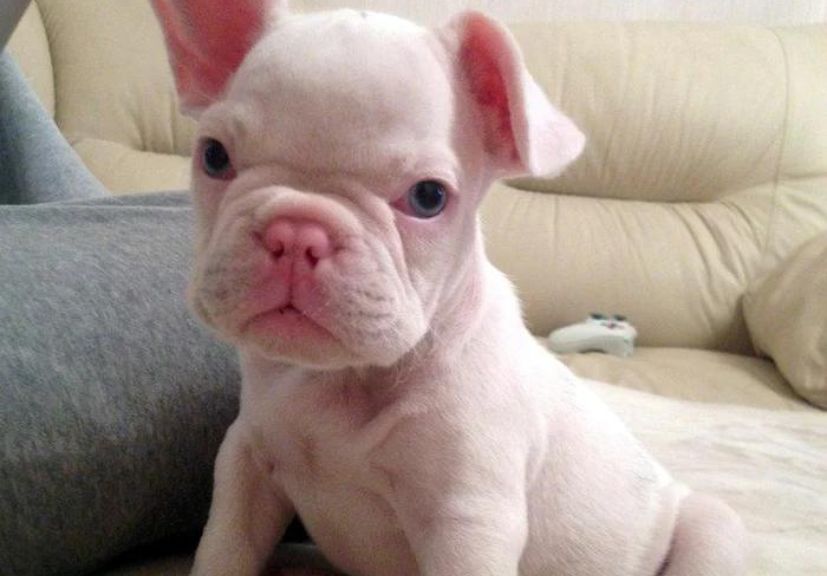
<point>461,520</point>
<point>460,499</point>
<point>465,533</point>
<point>249,514</point>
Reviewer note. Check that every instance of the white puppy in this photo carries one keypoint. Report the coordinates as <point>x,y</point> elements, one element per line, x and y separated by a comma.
<point>392,396</point>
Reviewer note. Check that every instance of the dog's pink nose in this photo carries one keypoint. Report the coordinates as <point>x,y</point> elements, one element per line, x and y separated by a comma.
<point>297,239</point>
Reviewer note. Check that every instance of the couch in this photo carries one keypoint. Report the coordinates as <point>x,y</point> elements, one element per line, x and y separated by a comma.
<point>698,210</point>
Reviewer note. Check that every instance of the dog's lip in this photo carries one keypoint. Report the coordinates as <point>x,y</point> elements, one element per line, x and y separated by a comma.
<point>288,312</point>
<point>279,310</point>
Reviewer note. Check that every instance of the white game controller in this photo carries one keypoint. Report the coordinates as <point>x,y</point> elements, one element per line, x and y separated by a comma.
<point>611,334</point>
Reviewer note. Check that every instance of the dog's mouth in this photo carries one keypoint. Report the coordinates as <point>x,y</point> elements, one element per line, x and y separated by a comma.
<point>288,309</point>
<point>287,321</point>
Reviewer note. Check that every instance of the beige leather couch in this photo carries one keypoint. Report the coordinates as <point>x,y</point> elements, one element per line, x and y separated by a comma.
<point>704,173</point>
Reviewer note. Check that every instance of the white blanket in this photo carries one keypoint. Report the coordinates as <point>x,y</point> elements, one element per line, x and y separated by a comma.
<point>771,466</point>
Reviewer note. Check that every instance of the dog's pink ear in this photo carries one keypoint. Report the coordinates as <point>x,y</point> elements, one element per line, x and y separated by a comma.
<point>208,39</point>
<point>522,131</point>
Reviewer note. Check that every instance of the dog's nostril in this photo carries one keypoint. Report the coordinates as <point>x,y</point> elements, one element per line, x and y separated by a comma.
<point>279,237</point>
<point>315,243</point>
<point>312,258</point>
<point>300,238</point>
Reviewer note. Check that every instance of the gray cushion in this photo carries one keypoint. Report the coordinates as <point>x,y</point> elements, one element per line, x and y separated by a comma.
<point>113,400</point>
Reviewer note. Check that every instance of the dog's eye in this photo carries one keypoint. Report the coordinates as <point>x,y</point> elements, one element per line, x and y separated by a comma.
<point>427,199</point>
<point>215,160</point>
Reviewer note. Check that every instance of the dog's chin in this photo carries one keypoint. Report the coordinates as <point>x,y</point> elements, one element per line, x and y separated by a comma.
<point>311,355</point>
<point>289,337</point>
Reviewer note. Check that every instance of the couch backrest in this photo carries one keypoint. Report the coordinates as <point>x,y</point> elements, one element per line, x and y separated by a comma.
<point>706,161</point>
<point>30,46</point>
<point>706,164</point>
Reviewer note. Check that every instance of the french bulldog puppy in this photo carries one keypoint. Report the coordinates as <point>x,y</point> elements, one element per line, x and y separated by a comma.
<point>391,396</point>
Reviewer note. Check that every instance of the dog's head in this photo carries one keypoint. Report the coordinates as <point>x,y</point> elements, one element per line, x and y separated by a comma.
<point>340,161</point>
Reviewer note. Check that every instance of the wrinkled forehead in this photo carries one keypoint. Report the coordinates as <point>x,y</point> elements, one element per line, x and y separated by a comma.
<point>342,91</point>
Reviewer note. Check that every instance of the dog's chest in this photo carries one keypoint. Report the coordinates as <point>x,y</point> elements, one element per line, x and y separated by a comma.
<point>317,446</point>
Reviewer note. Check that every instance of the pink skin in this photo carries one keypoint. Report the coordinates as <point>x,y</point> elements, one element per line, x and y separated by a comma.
<point>391,394</point>
<point>297,248</point>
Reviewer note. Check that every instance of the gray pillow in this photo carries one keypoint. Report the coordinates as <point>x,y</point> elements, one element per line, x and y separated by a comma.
<point>113,400</point>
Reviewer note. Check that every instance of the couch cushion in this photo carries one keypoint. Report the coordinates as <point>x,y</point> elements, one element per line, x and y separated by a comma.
<point>122,168</point>
<point>677,270</point>
<point>695,375</point>
<point>787,317</point>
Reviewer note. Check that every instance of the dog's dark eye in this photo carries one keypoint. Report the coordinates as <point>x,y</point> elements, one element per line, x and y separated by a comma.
<point>215,160</point>
<point>427,198</point>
